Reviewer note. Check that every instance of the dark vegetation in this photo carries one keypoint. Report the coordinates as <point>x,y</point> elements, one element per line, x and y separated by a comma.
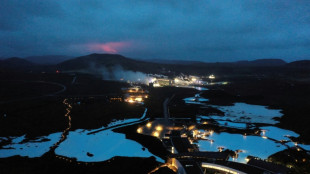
<point>299,160</point>
<point>27,108</point>
<point>30,110</point>
<point>95,113</point>
<point>33,118</point>
<point>48,164</point>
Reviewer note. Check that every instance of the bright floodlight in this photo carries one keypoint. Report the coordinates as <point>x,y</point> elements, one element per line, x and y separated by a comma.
<point>159,128</point>
<point>139,130</point>
<point>139,99</point>
<point>211,76</point>
<point>148,124</point>
<point>156,134</point>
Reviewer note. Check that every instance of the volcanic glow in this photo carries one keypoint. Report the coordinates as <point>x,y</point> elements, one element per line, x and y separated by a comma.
<point>109,47</point>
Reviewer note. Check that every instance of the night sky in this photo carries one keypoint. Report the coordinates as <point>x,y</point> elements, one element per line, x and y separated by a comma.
<point>187,30</point>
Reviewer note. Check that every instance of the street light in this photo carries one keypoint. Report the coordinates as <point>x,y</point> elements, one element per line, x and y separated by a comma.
<point>139,130</point>
<point>159,128</point>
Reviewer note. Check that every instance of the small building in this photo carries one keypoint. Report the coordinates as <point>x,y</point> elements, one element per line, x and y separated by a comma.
<point>182,144</point>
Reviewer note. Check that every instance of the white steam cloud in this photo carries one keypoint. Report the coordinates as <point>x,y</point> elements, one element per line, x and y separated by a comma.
<point>118,73</point>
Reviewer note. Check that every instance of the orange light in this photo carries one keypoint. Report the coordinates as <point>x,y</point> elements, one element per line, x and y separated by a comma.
<point>156,134</point>
<point>159,128</point>
<point>139,99</point>
<point>149,125</point>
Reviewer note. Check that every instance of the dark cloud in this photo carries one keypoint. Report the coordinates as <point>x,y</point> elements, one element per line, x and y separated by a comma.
<point>202,30</point>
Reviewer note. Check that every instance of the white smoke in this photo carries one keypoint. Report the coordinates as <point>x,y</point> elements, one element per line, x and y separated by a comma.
<point>118,73</point>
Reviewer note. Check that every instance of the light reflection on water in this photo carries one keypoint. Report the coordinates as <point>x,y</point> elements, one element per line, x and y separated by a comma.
<point>102,145</point>
<point>250,145</point>
<point>32,148</point>
<point>237,116</point>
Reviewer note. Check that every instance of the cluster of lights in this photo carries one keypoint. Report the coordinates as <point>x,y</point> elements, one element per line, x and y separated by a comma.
<point>155,133</point>
<point>211,76</point>
<point>158,130</point>
<point>136,99</point>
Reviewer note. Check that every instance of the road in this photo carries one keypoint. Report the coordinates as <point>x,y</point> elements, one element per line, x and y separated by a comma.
<point>166,108</point>
<point>143,118</point>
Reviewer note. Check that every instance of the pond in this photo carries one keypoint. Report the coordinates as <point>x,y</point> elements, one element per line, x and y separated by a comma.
<point>102,145</point>
<point>34,148</point>
<point>85,145</point>
<point>241,116</point>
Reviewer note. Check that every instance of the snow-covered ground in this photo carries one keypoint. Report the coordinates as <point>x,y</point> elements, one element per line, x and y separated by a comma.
<point>237,116</point>
<point>103,145</point>
<point>243,112</point>
<point>30,149</point>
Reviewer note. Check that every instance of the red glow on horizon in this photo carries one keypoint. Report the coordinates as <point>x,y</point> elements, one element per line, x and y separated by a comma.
<point>109,47</point>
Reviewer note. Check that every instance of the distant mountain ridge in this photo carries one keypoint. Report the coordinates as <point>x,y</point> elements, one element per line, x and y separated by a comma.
<point>15,62</point>
<point>257,62</point>
<point>94,61</point>
<point>262,62</point>
<point>163,61</point>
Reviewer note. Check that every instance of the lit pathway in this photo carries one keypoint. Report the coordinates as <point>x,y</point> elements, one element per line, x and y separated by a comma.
<point>66,131</point>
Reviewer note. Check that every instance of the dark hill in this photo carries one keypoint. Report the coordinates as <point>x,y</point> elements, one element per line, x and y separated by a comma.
<point>299,64</point>
<point>108,60</point>
<point>15,62</point>
<point>48,60</point>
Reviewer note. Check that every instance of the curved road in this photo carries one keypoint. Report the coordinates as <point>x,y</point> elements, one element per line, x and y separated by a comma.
<point>64,88</point>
